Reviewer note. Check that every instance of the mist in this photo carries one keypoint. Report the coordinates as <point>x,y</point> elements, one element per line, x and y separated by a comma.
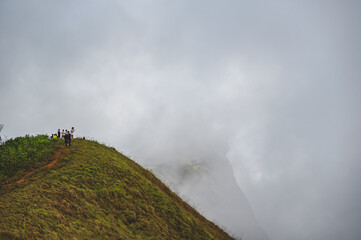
<point>271,87</point>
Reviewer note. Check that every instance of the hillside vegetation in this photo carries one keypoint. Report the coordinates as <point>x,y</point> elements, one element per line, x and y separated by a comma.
<point>88,191</point>
<point>24,154</point>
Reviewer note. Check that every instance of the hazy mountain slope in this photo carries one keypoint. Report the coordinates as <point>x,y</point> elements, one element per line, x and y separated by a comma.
<point>211,187</point>
<point>91,191</point>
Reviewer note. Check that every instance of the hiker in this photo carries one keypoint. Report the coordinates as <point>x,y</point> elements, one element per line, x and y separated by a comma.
<point>58,133</point>
<point>54,136</point>
<point>67,138</point>
<point>72,132</point>
<point>62,134</point>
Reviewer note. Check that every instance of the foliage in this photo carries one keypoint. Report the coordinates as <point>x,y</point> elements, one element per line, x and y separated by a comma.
<point>24,154</point>
<point>95,192</point>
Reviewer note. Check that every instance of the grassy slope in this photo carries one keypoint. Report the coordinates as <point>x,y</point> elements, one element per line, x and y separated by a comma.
<point>94,192</point>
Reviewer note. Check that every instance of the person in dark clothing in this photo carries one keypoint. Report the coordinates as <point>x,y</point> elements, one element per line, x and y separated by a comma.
<point>67,139</point>
<point>58,133</point>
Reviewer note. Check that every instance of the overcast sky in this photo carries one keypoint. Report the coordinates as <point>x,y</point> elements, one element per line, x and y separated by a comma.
<point>273,85</point>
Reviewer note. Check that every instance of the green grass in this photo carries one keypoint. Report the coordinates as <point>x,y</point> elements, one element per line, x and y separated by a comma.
<point>95,192</point>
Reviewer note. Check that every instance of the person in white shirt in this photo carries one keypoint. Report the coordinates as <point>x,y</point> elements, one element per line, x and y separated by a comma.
<point>72,132</point>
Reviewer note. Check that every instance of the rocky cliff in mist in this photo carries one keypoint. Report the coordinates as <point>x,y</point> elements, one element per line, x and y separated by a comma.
<point>209,185</point>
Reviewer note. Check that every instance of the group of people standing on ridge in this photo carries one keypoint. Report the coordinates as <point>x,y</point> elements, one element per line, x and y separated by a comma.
<point>67,135</point>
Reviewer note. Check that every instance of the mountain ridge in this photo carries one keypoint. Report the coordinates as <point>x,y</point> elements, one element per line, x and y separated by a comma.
<point>91,192</point>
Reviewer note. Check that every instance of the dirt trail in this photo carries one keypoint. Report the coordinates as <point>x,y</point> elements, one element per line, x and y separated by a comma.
<point>55,158</point>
